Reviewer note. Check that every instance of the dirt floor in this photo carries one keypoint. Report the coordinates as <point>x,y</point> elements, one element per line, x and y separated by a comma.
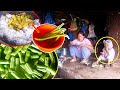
<point>76,70</point>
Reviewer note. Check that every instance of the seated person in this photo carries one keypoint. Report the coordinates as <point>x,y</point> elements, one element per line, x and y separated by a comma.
<point>107,54</point>
<point>81,48</point>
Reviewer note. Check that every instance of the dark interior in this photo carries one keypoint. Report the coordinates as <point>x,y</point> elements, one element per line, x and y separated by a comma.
<point>105,21</point>
<point>98,17</point>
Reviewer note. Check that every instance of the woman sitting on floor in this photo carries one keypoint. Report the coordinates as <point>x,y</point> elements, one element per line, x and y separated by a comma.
<point>81,48</point>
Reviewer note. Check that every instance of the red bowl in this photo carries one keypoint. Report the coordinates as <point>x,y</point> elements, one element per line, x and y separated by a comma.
<point>47,45</point>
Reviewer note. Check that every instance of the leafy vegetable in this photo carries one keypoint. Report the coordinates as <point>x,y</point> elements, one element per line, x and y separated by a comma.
<point>26,62</point>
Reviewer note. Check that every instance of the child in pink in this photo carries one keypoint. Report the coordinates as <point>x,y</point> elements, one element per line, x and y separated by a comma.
<point>107,54</point>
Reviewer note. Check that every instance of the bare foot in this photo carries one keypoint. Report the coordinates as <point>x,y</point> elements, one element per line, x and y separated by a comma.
<point>73,60</point>
<point>83,61</point>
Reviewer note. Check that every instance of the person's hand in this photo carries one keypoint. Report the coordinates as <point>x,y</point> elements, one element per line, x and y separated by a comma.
<point>106,47</point>
<point>101,53</point>
<point>83,45</point>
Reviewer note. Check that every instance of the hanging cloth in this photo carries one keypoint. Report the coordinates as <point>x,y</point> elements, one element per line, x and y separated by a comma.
<point>83,27</point>
<point>49,19</point>
<point>91,31</point>
<point>73,25</point>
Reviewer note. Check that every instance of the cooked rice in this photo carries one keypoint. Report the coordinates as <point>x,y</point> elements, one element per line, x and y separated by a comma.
<point>18,37</point>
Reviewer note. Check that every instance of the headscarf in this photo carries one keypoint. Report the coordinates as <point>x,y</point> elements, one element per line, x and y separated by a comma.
<point>109,42</point>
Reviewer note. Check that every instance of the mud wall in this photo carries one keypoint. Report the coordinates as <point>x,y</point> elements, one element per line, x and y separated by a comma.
<point>113,28</point>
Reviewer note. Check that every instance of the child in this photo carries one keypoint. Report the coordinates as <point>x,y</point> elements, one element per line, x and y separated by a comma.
<point>107,54</point>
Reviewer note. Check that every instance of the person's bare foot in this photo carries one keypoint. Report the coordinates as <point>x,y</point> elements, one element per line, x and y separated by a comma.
<point>83,61</point>
<point>73,60</point>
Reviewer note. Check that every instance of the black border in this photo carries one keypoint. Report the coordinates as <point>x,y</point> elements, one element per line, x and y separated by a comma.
<point>58,84</point>
<point>62,5</point>
<point>79,5</point>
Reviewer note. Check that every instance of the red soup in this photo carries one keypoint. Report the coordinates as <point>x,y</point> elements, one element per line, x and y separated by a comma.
<point>49,45</point>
